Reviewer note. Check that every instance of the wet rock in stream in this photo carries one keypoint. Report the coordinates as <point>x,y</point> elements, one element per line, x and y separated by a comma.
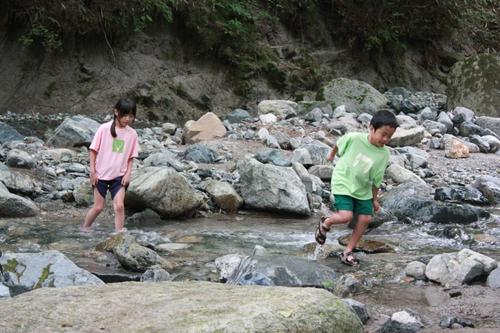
<point>281,271</point>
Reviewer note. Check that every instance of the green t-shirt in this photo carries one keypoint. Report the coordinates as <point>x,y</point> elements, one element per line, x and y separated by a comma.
<point>361,165</point>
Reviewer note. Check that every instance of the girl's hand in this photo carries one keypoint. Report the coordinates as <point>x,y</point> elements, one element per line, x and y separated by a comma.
<point>93,179</point>
<point>126,179</point>
<point>376,205</point>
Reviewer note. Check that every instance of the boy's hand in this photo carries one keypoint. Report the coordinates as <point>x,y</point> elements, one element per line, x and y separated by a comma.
<point>330,156</point>
<point>376,205</point>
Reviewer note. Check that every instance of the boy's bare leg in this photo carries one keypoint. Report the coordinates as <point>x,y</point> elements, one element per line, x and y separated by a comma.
<point>339,217</point>
<point>96,209</point>
<point>119,208</point>
<point>357,233</point>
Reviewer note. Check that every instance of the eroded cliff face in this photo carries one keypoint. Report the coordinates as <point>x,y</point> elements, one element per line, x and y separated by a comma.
<point>160,69</point>
<point>89,78</point>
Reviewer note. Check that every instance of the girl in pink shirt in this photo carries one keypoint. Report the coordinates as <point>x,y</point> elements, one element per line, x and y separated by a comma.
<point>112,152</point>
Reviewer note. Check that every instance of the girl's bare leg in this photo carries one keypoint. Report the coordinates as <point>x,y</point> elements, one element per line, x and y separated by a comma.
<point>119,208</point>
<point>96,209</point>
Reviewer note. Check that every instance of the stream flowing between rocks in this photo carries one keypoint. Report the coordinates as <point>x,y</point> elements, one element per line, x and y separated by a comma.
<point>194,244</point>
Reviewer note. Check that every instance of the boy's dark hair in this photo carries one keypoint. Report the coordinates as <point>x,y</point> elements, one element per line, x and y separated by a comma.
<point>384,118</point>
<point>124,106</point>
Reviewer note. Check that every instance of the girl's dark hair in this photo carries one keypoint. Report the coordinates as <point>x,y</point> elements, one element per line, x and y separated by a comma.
<point>124,106</point>
<point>384,118</point>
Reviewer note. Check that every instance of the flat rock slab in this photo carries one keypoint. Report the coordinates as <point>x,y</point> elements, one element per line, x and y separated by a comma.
<point>368,245</point>
<point>177,307</point>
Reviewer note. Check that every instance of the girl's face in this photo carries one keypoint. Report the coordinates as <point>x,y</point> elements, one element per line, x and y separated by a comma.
<point>381,136</point>
<point>124,121</point>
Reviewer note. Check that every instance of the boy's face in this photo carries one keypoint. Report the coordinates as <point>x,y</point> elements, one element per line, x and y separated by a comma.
<point>381,136</point>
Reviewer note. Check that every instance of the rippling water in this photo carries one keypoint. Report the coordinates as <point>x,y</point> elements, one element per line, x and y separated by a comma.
<point>219,235</point>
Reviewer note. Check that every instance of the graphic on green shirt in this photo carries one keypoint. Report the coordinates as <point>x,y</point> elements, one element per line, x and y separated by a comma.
<point>118,145</point>
<point>362,163</point>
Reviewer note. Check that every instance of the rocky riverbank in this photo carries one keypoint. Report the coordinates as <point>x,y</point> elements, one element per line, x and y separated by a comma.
<point>237,200</point>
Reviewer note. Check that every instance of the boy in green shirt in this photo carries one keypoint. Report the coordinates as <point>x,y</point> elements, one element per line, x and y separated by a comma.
<point>357,177</point>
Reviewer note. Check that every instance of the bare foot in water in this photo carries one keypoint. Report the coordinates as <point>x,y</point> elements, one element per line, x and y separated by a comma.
<point>86,230</point>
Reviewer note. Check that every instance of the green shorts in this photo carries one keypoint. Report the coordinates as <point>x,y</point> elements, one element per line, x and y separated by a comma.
<point>346,202</point>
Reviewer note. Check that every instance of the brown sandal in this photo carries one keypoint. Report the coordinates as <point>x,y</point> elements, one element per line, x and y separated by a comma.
<point>348,258</point>
<point>321,230</point>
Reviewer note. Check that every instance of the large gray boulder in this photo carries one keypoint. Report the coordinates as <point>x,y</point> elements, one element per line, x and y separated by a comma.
<point>163,190</point>
<point>12,205</point>
<point>401,175</point>
<point>19,181</point>
<point>187,307</point>
<point>490,123</point>
<point>280,108</point>
<point>407,137</point>
<point>44,269</point>
<point>474,83</point>
<point>272,188</point>
<point>17,158</point>
<point>75,131</point>
<point>357,96</point>
<point>224,195</point>
<point>490,187</point>
<point>455,269</point>
<point>414,200</point>
<point>8,133</point>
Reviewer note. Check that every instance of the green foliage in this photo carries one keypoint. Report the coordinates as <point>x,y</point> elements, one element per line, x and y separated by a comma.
<point>243,34</point>
<point>480,19</point>
<point>48,23</point>
<point>391,25</point>
<point>39,33</point>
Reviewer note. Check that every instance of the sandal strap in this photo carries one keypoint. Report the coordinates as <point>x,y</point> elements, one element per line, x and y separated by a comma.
<point>323,226</point>
<point>345,257</point>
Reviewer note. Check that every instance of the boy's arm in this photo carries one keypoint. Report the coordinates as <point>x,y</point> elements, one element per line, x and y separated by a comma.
<point>376,205</point>
<point>332,153</point>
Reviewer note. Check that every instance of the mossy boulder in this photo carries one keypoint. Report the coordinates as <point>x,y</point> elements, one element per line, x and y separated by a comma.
<point>179,307</point>
<point>357,96</point>
<point>475,84</point>
<point>44,269</point>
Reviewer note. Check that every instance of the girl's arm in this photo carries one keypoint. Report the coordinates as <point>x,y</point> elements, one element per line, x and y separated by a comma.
<point>376,205</point>
<point>127,175</point>
<point>93,176</point>
<point>332,153</point>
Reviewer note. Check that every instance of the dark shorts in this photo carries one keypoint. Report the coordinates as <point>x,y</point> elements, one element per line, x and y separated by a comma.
<point>360,207</point>
<point>113,185</point>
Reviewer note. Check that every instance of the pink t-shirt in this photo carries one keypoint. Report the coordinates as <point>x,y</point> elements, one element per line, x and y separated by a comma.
<point>113,154</point>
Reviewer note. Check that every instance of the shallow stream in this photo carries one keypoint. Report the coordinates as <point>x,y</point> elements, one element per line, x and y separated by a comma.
<point>197,242</point>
